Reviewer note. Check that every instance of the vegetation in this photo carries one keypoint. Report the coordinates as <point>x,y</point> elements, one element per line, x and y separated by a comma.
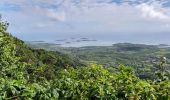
<point>144,58</point>
<point>36,74</point>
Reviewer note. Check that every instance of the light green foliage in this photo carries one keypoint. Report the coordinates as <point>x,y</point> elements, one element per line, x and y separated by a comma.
<point>96,82</point>
<point>9,65</point>
<point>3,25</point>
<point>28,74</point>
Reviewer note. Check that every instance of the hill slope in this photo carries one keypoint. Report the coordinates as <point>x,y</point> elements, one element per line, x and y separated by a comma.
<point>33,59</point>
<point>29,74</point>
<point>144,58</point>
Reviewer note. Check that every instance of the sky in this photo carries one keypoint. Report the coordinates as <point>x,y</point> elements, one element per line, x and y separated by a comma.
<point>51,19</point>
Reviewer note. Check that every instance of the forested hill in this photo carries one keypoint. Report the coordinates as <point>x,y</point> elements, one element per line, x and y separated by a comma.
<point>36,74</point>
<point>33,59</point>
<point>39,57</point>
<point>144,58</point>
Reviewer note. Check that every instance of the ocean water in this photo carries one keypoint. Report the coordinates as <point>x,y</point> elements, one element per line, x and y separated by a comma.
<point>105,39</point>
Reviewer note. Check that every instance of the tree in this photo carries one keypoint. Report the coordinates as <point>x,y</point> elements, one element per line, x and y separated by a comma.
<point>3,24</point>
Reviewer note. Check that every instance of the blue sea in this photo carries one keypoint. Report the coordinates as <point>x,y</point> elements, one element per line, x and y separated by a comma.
<point>105,39</point>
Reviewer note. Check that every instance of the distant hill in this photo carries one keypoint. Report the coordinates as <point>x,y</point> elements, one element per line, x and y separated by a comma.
<point>144,58</point>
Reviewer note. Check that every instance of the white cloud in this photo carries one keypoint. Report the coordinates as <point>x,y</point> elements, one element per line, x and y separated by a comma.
<point>59,16</point>
<point>149,11</point>
<point>90,16</point>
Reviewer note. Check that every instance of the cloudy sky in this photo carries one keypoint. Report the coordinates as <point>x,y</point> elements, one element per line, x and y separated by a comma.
<point>49,18</point>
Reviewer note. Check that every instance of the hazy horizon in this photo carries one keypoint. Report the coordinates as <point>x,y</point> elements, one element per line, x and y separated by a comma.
<point>105,21</point>
<point>78,40</point>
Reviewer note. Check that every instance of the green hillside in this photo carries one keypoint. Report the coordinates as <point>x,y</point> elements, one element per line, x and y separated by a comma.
<point>37,74</point>
<point>143,58</point>
<point>36,58</point>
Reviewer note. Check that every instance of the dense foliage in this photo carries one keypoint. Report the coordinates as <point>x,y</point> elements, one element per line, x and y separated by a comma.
<point>144,58</point>
<point>96,82</point>
<point>27,74</point>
